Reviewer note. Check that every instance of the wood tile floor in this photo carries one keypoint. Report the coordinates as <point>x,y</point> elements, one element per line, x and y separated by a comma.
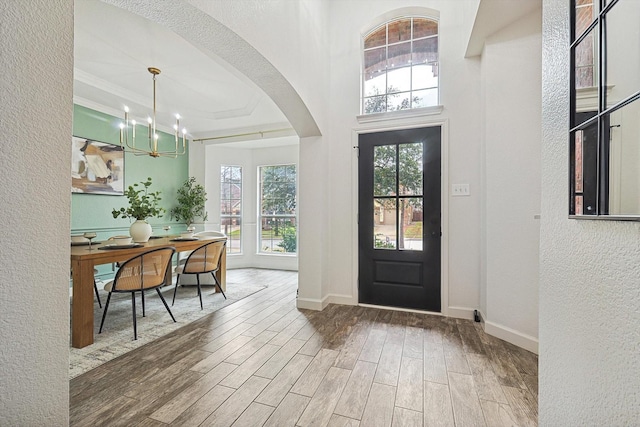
<point>261,361</point>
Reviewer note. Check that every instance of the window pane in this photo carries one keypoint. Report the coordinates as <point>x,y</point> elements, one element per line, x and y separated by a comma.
<point>411,212</point>
<point>424,76</point>
<point>278,235</point>
<point>399,101</point>
<point>425,50</point>
<point>424,98</point>
<point>399,31</point>
<point>278,197</point>
<point>384,170</point>
<point>399,55</point>
<point>384,223</point>
<point>375,85</point>
<point>399,80</point>
<point>377,38</point>
<point>232,228</point>
<point>375,61</point>
<point>375,104</point>
<point>424,27</point>
<point>624,159</point>
<point>584,60</point>
<point>584,16</point>
<point>622,51</point>
<point>231,204</point>
<point>410,169</point>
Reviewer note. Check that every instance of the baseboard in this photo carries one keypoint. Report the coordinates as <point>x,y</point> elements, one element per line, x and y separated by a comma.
<point>461,312</point>
<point>312,303</point>
<point>511,335</point>
<point>341,299</point>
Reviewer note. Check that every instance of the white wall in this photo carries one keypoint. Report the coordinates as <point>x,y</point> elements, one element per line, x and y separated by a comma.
<point>511,63</point>
<point>460,95</point>
<point>36,48</point>
<point>249,159</point>
<point>589,275</point>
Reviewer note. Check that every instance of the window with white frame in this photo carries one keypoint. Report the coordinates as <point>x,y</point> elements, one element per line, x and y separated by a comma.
<point>400,66</point>
<point>231,207</point>
<point>277,219</point>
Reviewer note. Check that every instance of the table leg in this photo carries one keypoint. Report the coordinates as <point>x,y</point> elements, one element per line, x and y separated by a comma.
<point>82,304</point>
<point>221,274</point>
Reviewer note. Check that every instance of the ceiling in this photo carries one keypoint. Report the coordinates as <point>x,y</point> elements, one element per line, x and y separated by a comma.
<point>113,49</point>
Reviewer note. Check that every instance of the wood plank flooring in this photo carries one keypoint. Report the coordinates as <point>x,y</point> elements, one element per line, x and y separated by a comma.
<point>263,362</point>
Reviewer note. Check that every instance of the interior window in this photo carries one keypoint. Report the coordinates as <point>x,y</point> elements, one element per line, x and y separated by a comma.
<point>400,67</point>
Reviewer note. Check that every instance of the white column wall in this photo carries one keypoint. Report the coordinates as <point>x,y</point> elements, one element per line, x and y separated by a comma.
<point>589,275</point>
<point>511,63</point>
<point>36,112</point>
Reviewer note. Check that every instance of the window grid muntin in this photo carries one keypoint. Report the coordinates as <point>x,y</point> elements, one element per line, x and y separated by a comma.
<point>410,65</point>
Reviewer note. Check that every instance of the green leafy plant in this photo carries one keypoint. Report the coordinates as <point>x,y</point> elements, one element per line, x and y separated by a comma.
<point>143,203</point>
<point>191,199</point>
<point>289,240</point>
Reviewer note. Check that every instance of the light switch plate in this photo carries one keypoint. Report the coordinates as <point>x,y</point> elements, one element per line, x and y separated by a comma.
<point>460,190</point>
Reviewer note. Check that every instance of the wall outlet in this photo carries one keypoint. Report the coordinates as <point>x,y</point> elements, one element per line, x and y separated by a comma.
<point>460,190</point>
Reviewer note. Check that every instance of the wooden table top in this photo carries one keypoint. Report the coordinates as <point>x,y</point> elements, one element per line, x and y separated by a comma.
<point>97,255</point>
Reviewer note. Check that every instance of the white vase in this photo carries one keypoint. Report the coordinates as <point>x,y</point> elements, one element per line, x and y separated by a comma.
<point>140,231</point>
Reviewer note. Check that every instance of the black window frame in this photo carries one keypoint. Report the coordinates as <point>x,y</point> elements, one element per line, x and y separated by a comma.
<point>600,116</point>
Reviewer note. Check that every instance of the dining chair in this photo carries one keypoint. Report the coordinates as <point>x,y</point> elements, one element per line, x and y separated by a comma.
<point>143,272</point>
<point>95,286</point>
<point>182,256</point>
<point>205,259</point>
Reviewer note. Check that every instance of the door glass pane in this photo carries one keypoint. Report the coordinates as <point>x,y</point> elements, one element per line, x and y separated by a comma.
<point>384,223</point>
<point>622,47</point>
<point>410,169</point>
<point>411,213</point>
<point>384,170</point>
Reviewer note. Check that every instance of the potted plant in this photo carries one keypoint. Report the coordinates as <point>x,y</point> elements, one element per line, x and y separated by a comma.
<point>143,204</point>
<point>191,199</point>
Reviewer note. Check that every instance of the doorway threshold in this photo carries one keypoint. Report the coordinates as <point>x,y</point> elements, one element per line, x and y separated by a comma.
<point>408,310</point>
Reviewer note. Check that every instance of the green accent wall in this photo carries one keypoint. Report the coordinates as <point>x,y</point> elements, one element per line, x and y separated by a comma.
<point>92,212</point>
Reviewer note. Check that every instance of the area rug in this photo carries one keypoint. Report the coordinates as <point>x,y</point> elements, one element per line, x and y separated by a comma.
<point>116,338</point>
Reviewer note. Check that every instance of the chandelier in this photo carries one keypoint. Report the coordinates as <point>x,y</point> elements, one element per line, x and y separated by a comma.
<point>128,131</point>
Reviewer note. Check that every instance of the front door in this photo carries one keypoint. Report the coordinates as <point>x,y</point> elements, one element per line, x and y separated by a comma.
<point>399,218</point>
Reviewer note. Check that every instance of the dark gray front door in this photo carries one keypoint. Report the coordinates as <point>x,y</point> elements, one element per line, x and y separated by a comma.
<point>399,218</point>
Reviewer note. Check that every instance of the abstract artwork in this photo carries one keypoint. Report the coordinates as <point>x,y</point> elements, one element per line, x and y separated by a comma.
<point>96,167</point>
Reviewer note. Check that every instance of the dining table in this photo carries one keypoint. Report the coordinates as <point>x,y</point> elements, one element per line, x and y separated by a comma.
<point>83,259</point>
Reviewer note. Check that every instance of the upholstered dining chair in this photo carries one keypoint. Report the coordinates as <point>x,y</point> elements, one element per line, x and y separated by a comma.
<point>143,272</point>
<point>205,259</point>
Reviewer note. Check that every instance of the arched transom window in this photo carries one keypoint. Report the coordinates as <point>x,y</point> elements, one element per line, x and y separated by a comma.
<point>400,66</point>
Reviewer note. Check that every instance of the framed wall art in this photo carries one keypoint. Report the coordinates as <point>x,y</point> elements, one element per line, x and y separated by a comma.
<point>96,167</point>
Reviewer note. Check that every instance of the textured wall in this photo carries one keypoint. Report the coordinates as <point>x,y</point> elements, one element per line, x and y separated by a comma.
<point>36,47</point>
<point>589,276</point>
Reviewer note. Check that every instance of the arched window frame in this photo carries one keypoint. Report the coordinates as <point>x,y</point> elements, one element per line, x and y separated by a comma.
<point>422,91</point>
